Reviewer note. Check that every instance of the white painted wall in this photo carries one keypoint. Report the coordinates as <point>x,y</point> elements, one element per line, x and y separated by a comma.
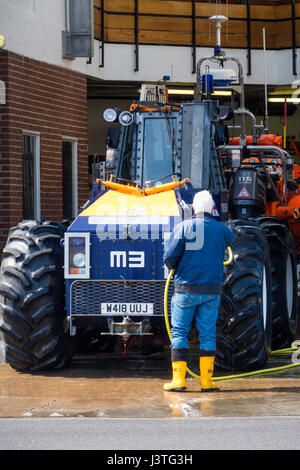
<point>156,61</point>
<point>33,29</point>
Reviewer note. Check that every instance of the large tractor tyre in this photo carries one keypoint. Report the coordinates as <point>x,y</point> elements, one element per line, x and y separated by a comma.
<point>32,298</point>
<point>244,326</point>
<point>284,281</point>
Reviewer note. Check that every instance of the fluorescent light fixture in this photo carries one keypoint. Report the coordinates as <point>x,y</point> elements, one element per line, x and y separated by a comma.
<point>222,93</point>
<point>179,92</point>
<point>285,91</point>
<point>282,100</point>
<point>191,92</point>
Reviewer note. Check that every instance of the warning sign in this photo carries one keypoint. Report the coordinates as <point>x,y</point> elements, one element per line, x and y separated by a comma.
<point>215,212</point>
<point>244,193</point>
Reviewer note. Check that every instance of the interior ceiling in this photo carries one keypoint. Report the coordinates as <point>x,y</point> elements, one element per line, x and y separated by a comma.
<point>254,95</point>
<point>118,90</point>
<point>101,89</point>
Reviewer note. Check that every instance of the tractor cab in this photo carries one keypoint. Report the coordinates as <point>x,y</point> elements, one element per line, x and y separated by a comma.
<point>152,138</point>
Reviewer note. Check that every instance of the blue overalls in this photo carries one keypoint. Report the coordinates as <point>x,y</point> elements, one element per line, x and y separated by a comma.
<point>196,251</point>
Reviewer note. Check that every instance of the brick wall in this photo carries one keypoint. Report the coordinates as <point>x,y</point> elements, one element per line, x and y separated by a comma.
<point>50,100</point>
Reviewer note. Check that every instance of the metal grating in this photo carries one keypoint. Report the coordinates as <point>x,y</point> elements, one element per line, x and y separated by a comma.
<point>86,295</point>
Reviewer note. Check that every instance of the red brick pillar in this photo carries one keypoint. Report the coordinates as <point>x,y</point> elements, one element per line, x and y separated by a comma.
<point>51,101</point>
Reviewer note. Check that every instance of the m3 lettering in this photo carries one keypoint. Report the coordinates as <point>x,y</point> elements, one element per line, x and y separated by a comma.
<point>124,259</point>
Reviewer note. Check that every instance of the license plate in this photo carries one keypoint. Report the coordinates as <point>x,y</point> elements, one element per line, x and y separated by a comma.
<point>127,308</point>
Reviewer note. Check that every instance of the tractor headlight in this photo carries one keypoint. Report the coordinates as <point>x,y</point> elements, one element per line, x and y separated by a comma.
<point>111,114</point>
<point>79,260</point>
<point>77,255</point>
<point>126,118</point>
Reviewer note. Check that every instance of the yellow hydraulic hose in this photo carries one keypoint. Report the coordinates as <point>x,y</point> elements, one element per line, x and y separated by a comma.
<point>230,258</point>
<point>227,377</point>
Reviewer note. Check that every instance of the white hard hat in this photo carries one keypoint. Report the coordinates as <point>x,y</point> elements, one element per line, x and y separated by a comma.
<point>203,202</point>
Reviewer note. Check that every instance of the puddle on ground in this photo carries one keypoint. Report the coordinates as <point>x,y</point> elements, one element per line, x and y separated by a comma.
<point>120,390</point>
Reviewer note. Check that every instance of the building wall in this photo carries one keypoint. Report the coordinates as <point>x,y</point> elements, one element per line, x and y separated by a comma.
<point>33,28</point>
<point>49,100</point>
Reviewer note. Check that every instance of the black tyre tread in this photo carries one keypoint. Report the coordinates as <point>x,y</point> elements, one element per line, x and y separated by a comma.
<point>281,242</point>
<point>44,270</point>
<point>10,252</point>
<point>14,315</point>
<point>42,312</point>
<point>32,297</point>
<point>21,276</point>
<point>37,254</point>
<point>242,343</point>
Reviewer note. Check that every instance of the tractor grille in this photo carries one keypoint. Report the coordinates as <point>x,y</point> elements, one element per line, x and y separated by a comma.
<point>86,296</point>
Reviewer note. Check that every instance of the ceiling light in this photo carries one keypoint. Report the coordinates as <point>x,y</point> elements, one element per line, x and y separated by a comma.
<point>222,93</point>
<point>191,92</point>
<point>282,100</point>
<point>180,92</point>
<point>285,91</point>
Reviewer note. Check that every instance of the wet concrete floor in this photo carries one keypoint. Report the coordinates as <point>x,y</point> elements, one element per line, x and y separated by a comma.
<point>109,386</point>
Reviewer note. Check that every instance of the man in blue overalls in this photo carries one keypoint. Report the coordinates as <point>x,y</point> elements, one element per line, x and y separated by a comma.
<point>196,252</point>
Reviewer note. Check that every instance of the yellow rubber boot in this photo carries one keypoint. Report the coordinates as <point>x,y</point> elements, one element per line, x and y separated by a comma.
<point>178,382</point>
<point>206,372</point>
